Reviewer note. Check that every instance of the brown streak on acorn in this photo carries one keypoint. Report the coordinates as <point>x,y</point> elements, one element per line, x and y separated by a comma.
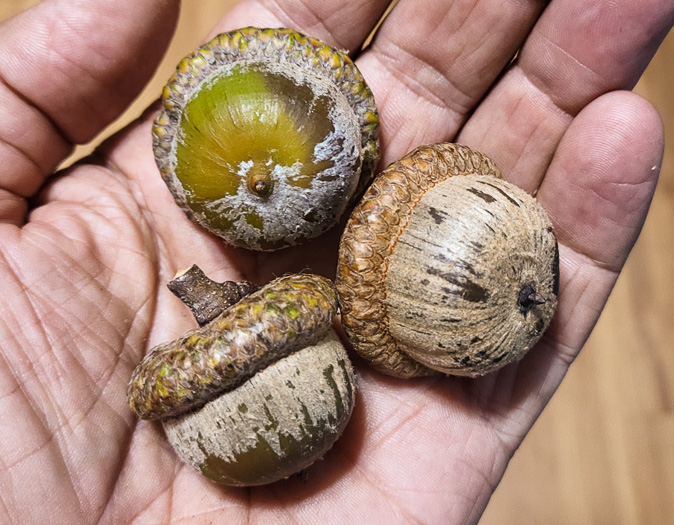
<point>470,291</point>
<point>555,271</point>
<point>484,196</point>
<point>438,216</point>
<point>513,201</point>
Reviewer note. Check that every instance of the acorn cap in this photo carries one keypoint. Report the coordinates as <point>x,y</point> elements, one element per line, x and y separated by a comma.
<point>282,317</point>
<point>266,136</point>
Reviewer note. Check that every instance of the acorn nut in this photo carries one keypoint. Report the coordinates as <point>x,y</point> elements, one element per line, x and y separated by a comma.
<point>266,136</point>
<point>439,272</point>
<point>258,393</point>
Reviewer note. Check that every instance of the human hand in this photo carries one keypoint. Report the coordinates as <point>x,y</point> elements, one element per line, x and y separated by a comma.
<point>86,253</point>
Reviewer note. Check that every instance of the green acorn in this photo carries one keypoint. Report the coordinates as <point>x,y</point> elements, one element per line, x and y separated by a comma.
<point>266,137</point>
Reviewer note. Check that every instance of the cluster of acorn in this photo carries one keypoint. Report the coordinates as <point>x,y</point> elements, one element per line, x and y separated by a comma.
<point>437,272</point>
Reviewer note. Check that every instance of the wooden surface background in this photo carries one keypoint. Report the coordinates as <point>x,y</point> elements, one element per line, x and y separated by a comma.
<point>603,450</point>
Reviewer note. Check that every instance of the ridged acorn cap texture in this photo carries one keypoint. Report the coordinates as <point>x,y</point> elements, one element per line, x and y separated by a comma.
<point>266,136</point>
<point>287,314</point>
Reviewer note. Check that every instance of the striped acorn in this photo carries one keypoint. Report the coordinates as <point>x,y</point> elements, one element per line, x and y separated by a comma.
<point>444,266</point>
<point>258,393</point>
<point>266,137</point>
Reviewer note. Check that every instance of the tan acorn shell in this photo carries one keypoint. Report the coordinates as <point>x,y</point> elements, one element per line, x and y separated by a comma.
<point>445,273</point>
<point>277,423</point>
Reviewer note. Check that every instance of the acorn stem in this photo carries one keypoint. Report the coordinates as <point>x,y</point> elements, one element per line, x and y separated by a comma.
<point>528,299</point>
<point>260,183</point>
<point>206,298</point>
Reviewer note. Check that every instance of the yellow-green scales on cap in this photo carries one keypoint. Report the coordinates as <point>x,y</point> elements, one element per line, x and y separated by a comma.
<point>266,136</point>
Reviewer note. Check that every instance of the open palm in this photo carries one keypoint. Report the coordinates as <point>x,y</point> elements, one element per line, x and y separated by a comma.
<point>85,254</point>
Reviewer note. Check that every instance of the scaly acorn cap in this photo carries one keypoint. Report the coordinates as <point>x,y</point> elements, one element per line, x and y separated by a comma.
<point>266,136</point>
<point>287,314</point>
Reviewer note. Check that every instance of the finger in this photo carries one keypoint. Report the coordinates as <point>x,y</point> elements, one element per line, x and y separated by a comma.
<point>576,52</point>
<point>605,169</point>
<point>431,62</point>
<point>68,68</point>
<point>344,24</point>
<point>597,192</point>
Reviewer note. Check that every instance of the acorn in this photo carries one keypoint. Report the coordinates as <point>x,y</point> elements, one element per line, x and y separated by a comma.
<point>446,267</point>
<point>259,392</point>
<point>266,137</point>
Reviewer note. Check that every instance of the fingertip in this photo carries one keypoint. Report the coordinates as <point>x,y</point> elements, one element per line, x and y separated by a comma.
<point>611,127</point>
<point>602,177</point>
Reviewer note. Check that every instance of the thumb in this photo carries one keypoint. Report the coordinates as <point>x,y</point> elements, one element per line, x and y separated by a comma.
<point>67,69</point>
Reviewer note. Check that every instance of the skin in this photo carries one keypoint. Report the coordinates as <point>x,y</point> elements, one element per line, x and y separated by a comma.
<point>84,254</point>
